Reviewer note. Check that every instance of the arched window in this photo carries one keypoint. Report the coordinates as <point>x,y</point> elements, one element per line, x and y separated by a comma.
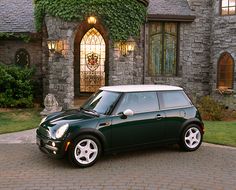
<point>22,58</point>
<point>225,71</point>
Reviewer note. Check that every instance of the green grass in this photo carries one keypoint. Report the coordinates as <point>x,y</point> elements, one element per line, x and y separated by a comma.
<point>220,132</point>
<point>12,120</point>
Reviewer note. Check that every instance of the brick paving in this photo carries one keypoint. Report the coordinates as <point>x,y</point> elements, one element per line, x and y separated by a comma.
<point>23,166</point>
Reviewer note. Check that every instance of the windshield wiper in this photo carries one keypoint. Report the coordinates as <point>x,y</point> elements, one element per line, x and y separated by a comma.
<point>90,111</point>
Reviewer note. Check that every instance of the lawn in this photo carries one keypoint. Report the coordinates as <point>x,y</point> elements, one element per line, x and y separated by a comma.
<point>12,120</point>
<point>220,132</point>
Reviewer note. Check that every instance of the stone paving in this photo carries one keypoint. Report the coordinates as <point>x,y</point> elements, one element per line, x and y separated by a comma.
<point>23,166</point>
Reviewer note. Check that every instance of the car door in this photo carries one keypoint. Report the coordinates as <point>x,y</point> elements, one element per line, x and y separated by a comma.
<point>144,127</point>
<point>175,104</point>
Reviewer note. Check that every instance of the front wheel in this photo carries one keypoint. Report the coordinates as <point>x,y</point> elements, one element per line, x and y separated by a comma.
<point>85,151</point>
<point>191,138</point>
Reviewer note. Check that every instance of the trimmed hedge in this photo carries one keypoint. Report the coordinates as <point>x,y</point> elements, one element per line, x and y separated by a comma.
<point>16,87</point>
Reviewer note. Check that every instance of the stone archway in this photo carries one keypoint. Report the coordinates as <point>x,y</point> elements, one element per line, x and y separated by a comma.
<point>90,59</point>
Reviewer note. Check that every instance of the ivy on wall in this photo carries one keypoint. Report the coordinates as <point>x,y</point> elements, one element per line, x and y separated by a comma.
<point>121,18</point>
<point>10,35</point>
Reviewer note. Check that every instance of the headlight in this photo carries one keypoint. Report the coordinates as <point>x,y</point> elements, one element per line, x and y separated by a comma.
<point>42,120</point>
<point>61,130</point>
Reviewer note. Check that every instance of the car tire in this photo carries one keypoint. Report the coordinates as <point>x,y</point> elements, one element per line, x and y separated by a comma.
<point>85,151</point>
<point>191,138</point>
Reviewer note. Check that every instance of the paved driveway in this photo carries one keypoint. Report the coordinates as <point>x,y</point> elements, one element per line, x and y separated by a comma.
<point>23,166</point>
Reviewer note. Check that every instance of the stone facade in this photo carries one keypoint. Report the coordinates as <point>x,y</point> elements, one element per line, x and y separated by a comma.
<point>203,36</point>
<point>223,39</point>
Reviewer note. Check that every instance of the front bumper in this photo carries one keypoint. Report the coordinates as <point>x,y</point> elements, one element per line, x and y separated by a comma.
<point>54,148</point>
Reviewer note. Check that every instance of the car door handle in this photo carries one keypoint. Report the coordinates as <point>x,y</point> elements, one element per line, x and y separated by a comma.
<point>159,117</point>
<point>104,124</point>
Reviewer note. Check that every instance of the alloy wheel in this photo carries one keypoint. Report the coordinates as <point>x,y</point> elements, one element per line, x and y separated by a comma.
<point>192,137</point>
<point>86,151</point>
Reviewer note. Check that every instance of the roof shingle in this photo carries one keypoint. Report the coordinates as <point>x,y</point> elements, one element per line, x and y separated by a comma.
<point>17,16</point>
<point>169,7</point>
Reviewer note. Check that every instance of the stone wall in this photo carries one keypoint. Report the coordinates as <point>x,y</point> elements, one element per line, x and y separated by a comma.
<point>194,52</point>
<point>200,44</point>
<point>8,49</point>
<point>59,69</point>
<point>128,69</point>
<point>223,39</point>
<point>195,49</point>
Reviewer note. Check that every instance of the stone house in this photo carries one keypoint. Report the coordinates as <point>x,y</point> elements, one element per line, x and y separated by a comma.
<point>189,43</point>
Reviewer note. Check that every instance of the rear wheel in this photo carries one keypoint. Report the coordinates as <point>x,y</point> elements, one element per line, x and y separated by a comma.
<point>85,151</point>
<point>191,138</point>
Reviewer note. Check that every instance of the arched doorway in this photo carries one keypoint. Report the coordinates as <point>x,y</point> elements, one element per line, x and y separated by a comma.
<point>92,61</point>
<point>91,55</point>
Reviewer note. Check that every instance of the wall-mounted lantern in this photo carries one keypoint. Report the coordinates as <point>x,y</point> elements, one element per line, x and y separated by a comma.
<point>127,46</point>
<point>55,46</point>
<point>52,45</point>
<point>92,20</point>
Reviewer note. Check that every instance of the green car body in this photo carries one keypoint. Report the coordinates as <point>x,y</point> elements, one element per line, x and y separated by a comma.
<point>113,126</point>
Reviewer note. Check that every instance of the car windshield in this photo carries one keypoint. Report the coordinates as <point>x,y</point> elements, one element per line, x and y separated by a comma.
<point>101,102</point>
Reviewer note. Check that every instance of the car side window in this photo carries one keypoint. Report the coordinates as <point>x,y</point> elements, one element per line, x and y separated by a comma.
<point>139,102</point>
<point>173,99</point>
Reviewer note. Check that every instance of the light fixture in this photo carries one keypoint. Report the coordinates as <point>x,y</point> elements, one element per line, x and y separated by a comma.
<point>127,47</point>
<point>92,20</point>
<point>52,45</point>
<point>55,46</point>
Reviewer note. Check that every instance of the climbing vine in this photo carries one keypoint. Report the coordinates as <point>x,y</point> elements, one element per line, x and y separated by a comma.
<point>121,18</point>
<point>10,35</point>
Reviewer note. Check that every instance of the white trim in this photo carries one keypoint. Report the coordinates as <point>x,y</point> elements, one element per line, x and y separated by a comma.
<point>140,88</point>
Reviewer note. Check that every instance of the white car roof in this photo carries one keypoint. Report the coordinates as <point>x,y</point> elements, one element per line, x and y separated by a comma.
<point>140,88</point>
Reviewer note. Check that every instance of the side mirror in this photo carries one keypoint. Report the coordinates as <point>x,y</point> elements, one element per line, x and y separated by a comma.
<point>128,112</point>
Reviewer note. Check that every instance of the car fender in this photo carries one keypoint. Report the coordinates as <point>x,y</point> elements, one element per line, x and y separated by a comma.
<point>88,131</point>
<point>192,121</point>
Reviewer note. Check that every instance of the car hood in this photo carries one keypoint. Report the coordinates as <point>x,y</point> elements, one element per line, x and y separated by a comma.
<point>68,116</point>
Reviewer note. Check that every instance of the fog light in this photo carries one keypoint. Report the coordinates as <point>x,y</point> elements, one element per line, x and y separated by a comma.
<point>53,144</point>
<point>54,152</point>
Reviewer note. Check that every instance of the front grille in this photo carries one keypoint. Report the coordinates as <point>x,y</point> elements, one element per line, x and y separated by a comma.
<point>44,132</point>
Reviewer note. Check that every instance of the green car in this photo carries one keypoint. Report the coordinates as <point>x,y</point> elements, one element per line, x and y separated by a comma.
<point>118,118</point>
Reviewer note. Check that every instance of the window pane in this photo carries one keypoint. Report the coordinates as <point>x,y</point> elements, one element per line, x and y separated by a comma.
<point>140,102</point>
<point>224,11</point>
<point>156,54</point>
<point>225,3</point>
<point>231,10</point>
<point>225,71</point>
<point>173,99</point>
<point>162,48</point>
<point>170,48</point>
<point>102,101</point>
<point>92,59</point>
<point>22,58</point>
<point>232,3</point>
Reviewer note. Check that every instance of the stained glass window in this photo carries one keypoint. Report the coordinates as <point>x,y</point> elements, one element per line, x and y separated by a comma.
<point>162,48</point>
<point>228,7</point>
<point>22,58</point>
<point>92,61</point>
<point>225,71</point>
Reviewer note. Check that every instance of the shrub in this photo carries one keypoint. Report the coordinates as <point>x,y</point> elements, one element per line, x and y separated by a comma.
<point>210,109</point>
<point>16,86</point>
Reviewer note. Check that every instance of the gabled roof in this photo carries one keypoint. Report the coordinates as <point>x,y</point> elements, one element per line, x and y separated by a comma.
<point>170,10</point>
<point>17,16</point>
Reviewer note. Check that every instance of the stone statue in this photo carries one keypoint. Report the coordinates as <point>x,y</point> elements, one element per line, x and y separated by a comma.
<point>51,105</point>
